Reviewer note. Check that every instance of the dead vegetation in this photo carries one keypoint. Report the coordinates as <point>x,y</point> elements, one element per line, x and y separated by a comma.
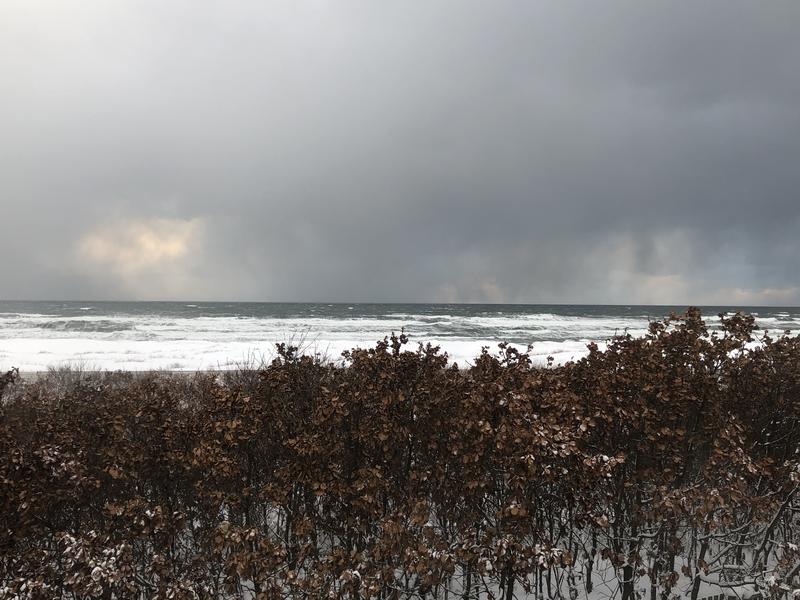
<point>395,476</point>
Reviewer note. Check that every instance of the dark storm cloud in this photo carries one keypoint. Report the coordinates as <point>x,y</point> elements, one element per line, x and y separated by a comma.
<point>454,150</point>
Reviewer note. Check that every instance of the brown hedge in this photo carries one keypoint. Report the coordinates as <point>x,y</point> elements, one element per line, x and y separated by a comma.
<point>398,476</point>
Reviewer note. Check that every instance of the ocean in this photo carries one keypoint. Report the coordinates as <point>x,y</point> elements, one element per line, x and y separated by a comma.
<point>187,336</point>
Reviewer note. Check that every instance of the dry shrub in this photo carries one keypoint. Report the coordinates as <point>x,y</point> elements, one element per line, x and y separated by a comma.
<point>398,476</point>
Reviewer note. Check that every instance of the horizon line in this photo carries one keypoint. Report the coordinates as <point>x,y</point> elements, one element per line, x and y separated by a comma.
<point>414,302</point>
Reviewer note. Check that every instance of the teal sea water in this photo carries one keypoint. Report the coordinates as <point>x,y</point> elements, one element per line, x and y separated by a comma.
<point>198,335</point>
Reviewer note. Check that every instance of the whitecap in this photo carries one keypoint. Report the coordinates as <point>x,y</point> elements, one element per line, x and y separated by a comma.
<point>35,341</point>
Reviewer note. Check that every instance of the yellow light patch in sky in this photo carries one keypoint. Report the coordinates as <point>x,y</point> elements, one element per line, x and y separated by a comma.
<point>150,258</point>
<point>132,246</point>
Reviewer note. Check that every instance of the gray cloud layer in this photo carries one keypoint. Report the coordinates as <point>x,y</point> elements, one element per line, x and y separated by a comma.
<point>454,150</point>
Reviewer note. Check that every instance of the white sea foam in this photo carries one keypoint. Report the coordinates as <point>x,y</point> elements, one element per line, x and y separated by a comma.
<point>102,339</point>
<point>190,355</point>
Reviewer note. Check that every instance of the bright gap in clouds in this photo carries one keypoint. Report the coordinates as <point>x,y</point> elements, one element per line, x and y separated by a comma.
<point>158,254</point>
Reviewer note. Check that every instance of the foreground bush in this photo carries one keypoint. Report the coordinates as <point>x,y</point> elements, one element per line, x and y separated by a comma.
<point>396,476</point>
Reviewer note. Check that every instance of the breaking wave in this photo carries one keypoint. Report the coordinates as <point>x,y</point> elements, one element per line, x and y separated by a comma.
<point>180,336</point>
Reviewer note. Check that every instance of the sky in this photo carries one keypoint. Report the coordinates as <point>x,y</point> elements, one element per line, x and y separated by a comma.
<point>621,152</point>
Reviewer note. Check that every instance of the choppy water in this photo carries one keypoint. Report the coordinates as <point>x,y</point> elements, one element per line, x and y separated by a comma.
<point>189,336</point>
